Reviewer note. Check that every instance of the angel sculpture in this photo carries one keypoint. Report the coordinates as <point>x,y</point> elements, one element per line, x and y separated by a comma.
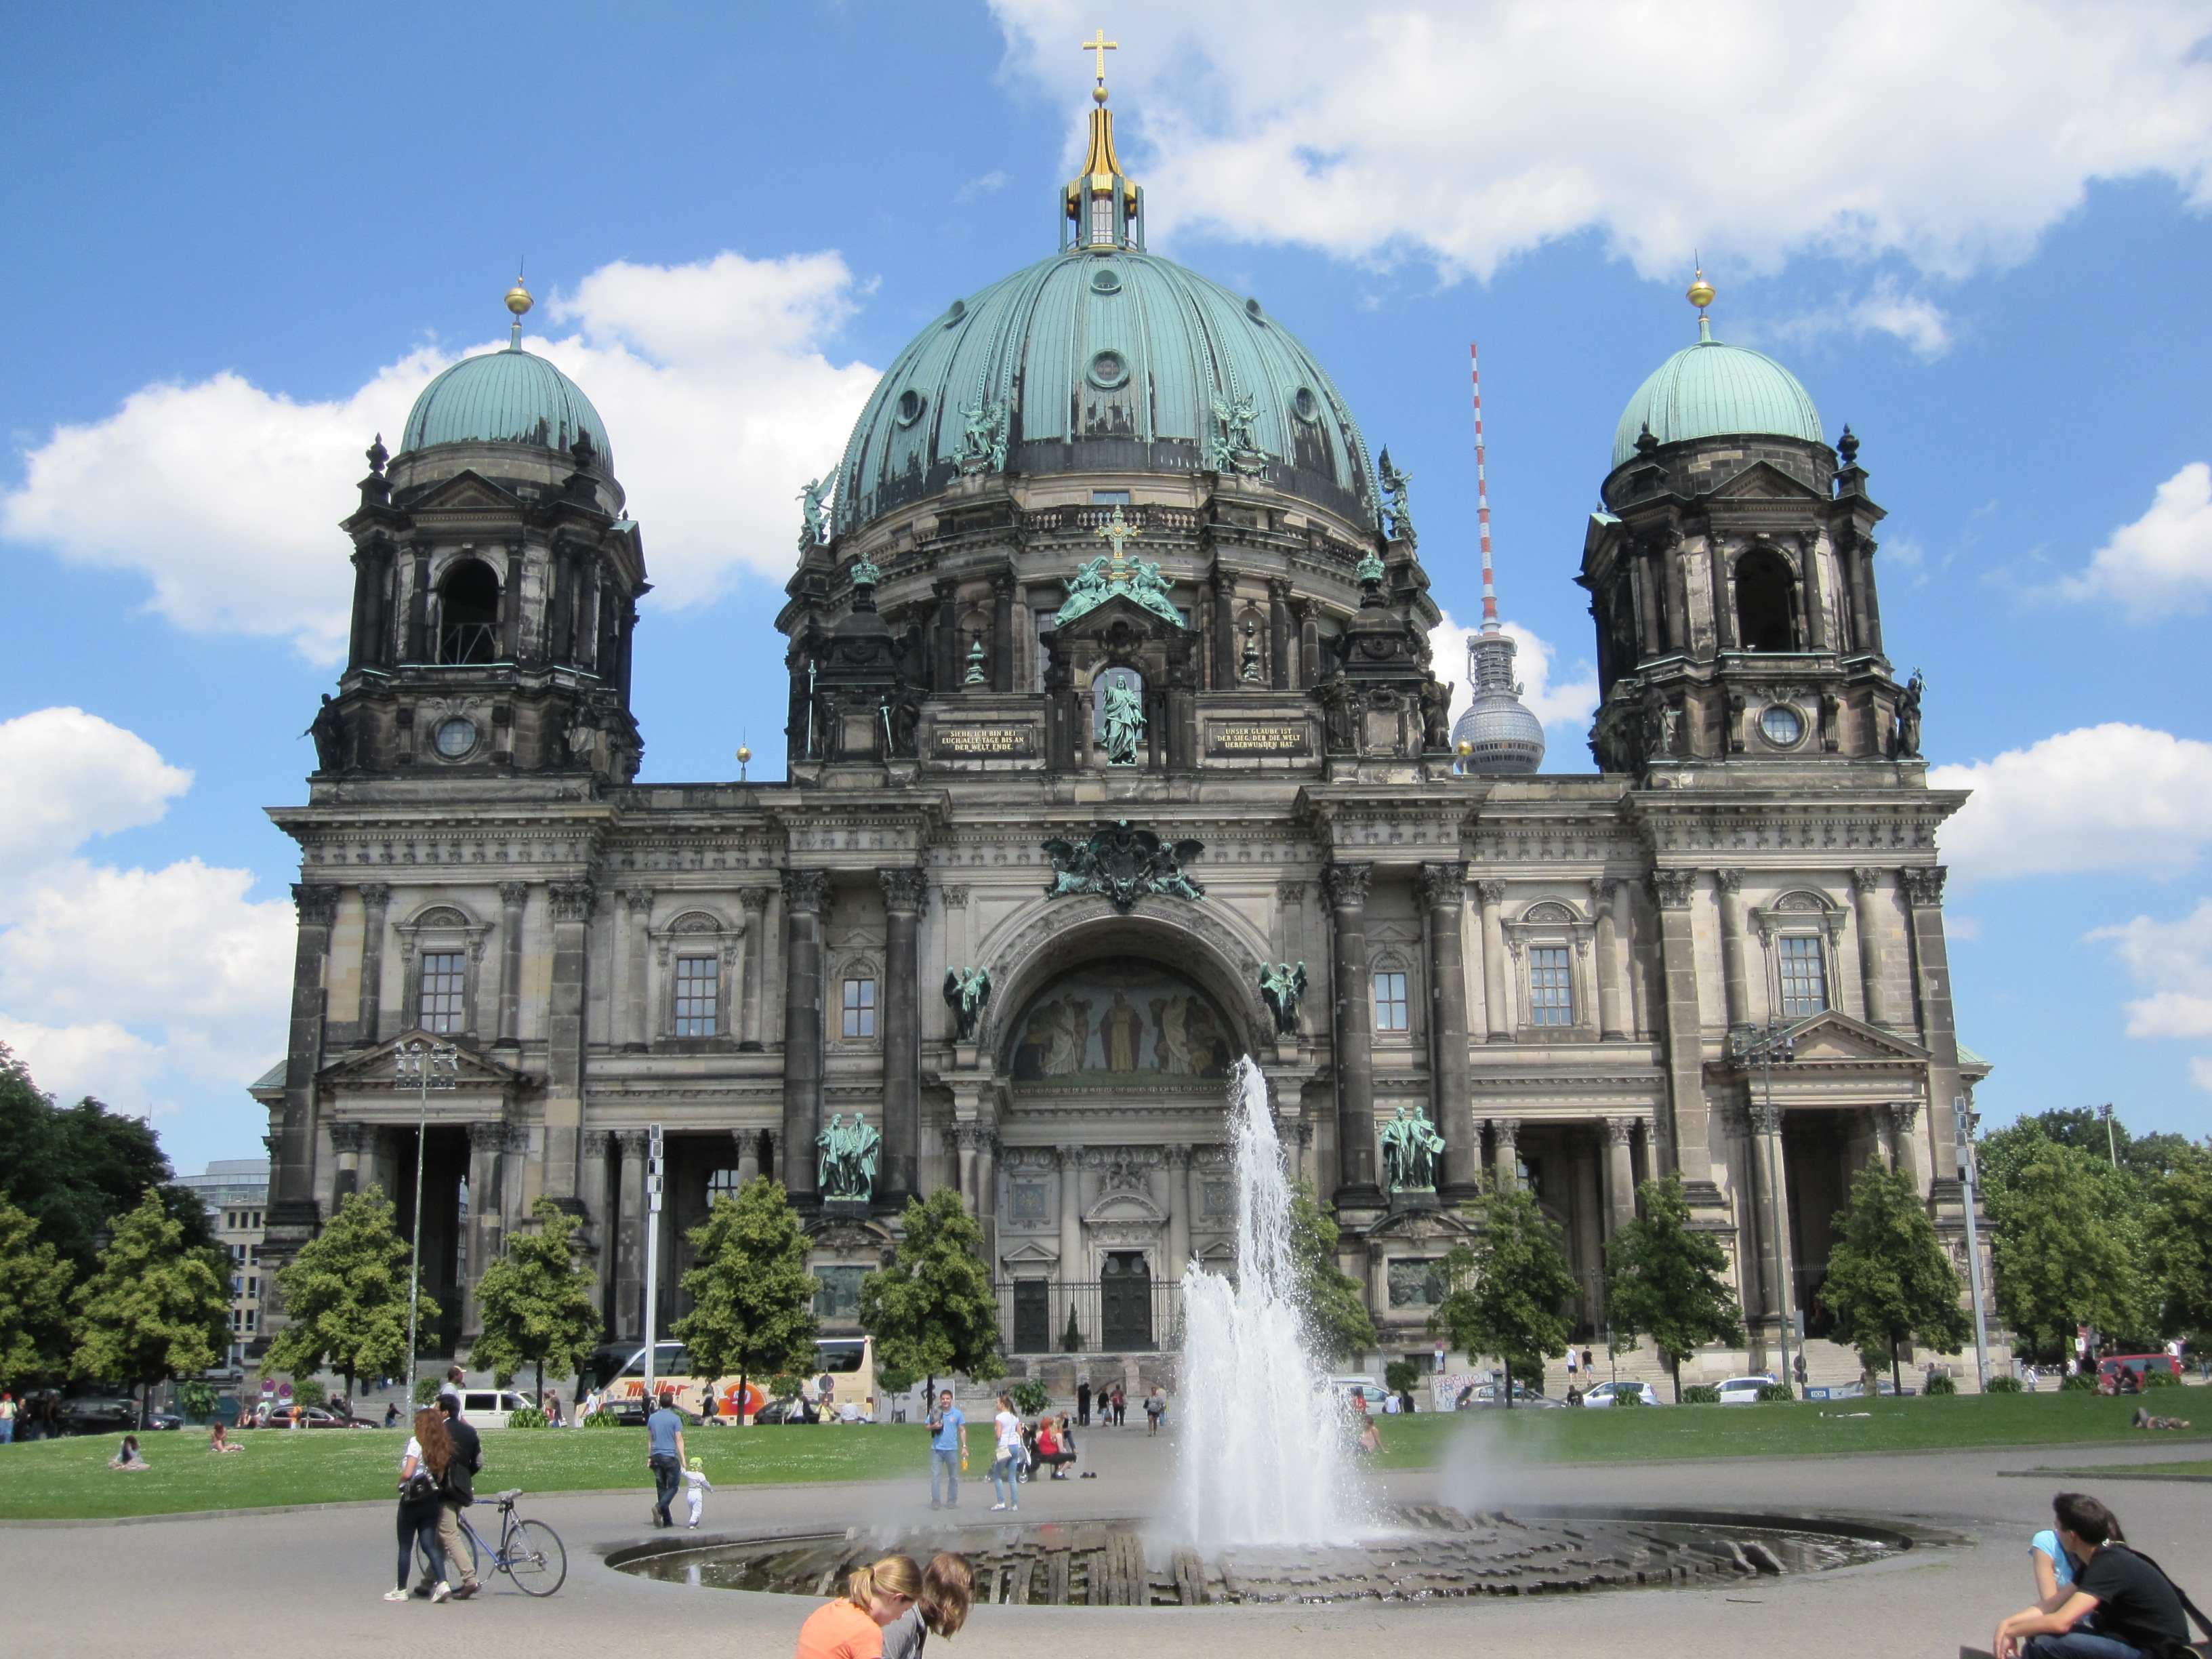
<point>1282,987</point>
<point>966,989</point>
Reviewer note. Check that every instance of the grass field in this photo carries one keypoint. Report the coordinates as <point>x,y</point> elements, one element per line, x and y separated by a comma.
<point>2147,1471</point>
<point>49,1480</point>
<point>1646,1432</point>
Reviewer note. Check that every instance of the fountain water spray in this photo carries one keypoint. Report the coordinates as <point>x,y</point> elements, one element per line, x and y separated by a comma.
<point>1261,1458</point>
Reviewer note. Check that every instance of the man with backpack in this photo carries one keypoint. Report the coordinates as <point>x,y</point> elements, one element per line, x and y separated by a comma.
<point>456,1491</point>
<point>2138,1612</point>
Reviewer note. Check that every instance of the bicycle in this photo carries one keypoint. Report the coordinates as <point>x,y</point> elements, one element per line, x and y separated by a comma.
<point>529,1552</point>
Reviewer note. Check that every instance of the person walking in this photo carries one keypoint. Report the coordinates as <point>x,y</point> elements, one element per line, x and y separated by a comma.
<point>948,1450</point>
<point>1121,1407</point>
<point>390,1414</point>
<point>664,1432</point>
<point>1156,1407</point>
<point>7,1417</point>
<point>1006,1456</point>
<point>456,1491</point>
<point>424,1460</point>
<point>1083,1402</point>
<point>696,1486</point>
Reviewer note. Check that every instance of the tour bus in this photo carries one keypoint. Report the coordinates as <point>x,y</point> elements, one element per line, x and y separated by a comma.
<point>844,1368</point>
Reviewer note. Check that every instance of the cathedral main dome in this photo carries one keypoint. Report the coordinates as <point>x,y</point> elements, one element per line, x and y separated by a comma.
<point>1711,390</point>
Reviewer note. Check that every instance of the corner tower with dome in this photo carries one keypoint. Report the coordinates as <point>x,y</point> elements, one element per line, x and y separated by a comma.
<point>1115,752</point>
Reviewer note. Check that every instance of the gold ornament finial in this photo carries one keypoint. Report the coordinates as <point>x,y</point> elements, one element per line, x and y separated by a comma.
<point>518,298</point>
<point>1700,295</point>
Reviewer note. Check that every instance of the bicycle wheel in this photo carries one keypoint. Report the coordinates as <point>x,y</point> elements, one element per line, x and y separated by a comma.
<point>535,1558</point>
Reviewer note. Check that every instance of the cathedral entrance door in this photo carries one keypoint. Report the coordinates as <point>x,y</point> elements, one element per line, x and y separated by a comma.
<point>1125,1303</point>
<point>1032,1315</point>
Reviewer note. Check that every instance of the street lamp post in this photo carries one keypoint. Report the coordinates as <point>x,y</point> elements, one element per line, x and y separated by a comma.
<point>1969,1182</point>
<point>424,1066</point>
<point>2112,1141</point>
<point>1777,1042</point>
<point>652,1169</point>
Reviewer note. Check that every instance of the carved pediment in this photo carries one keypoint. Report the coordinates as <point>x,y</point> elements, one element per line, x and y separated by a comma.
<point>1119,620</point>
<point>1836,1037</point>
<point>377,1068</point>
<point>464,491</point>
<point>1763,481</point>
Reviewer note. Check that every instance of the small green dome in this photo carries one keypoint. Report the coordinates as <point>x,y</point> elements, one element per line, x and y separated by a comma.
<point>1104,360</point>
<point>505,397</point>
<point>1715,391</point>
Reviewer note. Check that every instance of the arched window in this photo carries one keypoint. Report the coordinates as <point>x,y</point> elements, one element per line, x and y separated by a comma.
<point>1766,601</point>
<point>468,613</point>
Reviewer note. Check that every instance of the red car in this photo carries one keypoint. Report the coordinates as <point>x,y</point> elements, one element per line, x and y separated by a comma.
<point>2109,1370</point>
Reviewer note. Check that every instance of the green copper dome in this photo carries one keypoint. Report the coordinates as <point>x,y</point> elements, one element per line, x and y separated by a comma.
<point>505,397</point>
<point>1104,358</point>
<point>1714,391</point>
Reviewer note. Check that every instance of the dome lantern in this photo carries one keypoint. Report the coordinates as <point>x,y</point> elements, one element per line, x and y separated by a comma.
<point>1102,204</point>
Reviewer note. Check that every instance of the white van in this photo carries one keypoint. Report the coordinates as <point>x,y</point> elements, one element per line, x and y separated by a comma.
<point>489,1408</point>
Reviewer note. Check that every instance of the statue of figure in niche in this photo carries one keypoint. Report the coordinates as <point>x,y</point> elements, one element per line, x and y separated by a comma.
<point>1122,720</point>
<point>847,1156</point>
<point>1282,988</point>
<point>1908,717</point>
<point>966,989</point>
<point>1410,1145</point>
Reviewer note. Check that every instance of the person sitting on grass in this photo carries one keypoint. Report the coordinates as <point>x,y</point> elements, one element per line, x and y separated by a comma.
<point>220,1441</point>
<point>128,1458</point>
<point>2137,1612</point>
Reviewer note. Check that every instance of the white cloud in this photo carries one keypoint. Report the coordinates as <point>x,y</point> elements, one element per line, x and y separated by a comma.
<point>2162,562</point>
<point>1952,135</point>
<point>1568,703</point>
<point>2112,797</point>
<point>711,378</point>
<point>2173,961</point>
<point>1922,325</point>
<point>133,984</point>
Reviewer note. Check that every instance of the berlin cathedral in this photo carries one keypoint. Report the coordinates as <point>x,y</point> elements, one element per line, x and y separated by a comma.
<point>1116,752</point>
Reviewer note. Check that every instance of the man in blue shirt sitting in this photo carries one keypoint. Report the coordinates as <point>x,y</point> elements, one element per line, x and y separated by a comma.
<point>948,1450</point>
<point>664,1457</point>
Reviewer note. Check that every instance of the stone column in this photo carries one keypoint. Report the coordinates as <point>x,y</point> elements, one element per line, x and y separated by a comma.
<point>1904,1147</point>
<point>1442,890</point>
<point>1638,1022</point>
<point>1686,1139</point>
<point>599,1234</point>
<point>805,896</point>
<point>1002,631</point>
<point>1729,883</point>
<point>986,1195</point>
<point>486,1141</point>
<point>1301,613</point>
<point>1278,639</point>
<point>1072,1271</point>
<point>963,1138</point>
<point>1505,1134</point>
<point>1866,889</point>
<point>512,897</point>
<point>1178,1212</point>
<point>1347,884</point>
<point>292,1184</point>
<point>748,1144</point>
<point>1619,1175</point>
<point>1774,1264</point>
<point>1497,995</point>
<point>1931,962</point>
<point>755,900</point>
<point>347,1140</point>
<point>635,942</point>
<point>376,900</point>
<point>629,1239</point>
<point>905,893</point>
<point>1604,893</point>
<point>1224,630</point>
<point>572,904</point>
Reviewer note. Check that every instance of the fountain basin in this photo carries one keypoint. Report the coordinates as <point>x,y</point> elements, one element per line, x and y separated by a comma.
<point>1423,1552</point>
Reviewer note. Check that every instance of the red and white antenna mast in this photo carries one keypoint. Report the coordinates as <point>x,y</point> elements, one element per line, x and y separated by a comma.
<point>1482,498</point>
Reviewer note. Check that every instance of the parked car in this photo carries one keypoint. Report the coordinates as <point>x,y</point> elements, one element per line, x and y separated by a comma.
<point>489,1408</point>
<point>1367,1388</point>
<point>316,1417</point>
<point>98,1414</point>
<point>1855,1391</point>
<point>1744,1390</point>
<point>2111,1369</point>
<point>1606,1393</point>
<point>164,1420</point>
<point>1484,1394</point>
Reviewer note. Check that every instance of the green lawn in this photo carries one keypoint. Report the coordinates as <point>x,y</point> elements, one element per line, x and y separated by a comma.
<point>48,1480</point>
<point>1635,1433</point>
<point>2148,1470</point>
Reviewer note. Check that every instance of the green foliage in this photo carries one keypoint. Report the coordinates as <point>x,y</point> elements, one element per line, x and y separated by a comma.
<point>782,1386</point>
<point>1668,1281</point>
<point>1030,1397</point>
<point>601,1420</point>
<point>933,1310</point>
<point>1938,1384</point>
<point>1402,1376</point>
<point>196,1399</point>
<point>2076,1382</point>
<point>2178,1245</point>
<point>426,1387</point>
<point>538,1303</point>
<point>35,1287</point>
<point>1635,1397</point>
<point>753,1299</point>
<point>153,1309</point>
<point>1070,1338</point>
<point>1700,1393</point>
<point>526,1417</point>
<point>1774,1393</point>
<point>1338,1324</point>
<point>309,1391</point>
<point>345,1298</point>
<point>2005,1385</point>
<point>1888,1277</point>
<point>1506,1289</point>
<point>2066,1246</point>
<point>2158,1377</point>
<point>891,1380</point>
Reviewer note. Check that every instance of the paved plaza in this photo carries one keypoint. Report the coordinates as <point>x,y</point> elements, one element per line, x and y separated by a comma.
<point>310,1581</point>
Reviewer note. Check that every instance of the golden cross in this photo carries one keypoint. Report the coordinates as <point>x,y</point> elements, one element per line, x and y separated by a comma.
<point>1100,44</point>
<point>1116,530</point>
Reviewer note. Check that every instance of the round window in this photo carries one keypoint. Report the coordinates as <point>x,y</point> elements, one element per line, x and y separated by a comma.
<point>1306,405</point>
<point>1781,725</point>
<point>456,738</point>
<point>911,405</point>
<point>1105,280</point>
<point>1109,370</point>
<point>1252,310</point>
<point>955,312</point>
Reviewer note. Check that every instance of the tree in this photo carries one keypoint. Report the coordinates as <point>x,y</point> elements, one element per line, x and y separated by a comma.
<point>35,1283</point>
<point>537,1302</point>
<point>1666,1280</point>
<point>2065,1247</point>
<point>753,1299</point>
<point>2177,1240</point>
<point>154,1308</point>
<point>1504,1291</point>
<point>1338,1324</point>
<point>1888,1277</point>
<point>933,1310</point>
<point>345,1297</point>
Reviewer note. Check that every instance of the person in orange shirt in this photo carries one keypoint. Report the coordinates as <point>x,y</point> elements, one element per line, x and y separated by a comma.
<point>852,1627</point>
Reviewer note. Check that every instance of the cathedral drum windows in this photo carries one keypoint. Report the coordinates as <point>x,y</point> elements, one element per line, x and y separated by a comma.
<point>468,613</point>
<point>1766,601</point>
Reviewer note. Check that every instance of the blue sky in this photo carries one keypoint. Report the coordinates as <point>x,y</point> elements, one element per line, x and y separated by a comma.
<point>241,237</point>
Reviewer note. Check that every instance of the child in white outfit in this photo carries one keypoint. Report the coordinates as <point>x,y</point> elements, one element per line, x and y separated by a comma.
<point>696,1486</point>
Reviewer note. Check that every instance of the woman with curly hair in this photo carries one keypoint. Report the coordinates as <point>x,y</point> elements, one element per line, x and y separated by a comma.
<point>421,1472</point>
